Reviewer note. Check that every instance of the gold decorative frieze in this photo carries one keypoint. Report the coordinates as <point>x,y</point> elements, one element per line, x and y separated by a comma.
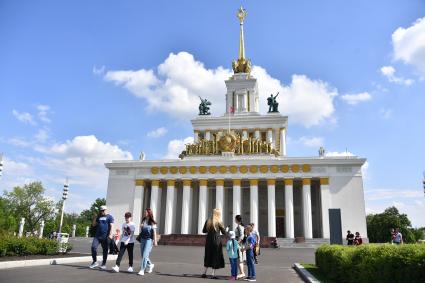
<point>212,169</point>
<point>182,170</point>
<point>187,183</point>
<point>155,183</point>
<point>243,169</point>
<point>154,170</point>
<point>192,169</point>
<point>171,182</point>
<point>295,168</point>
<point>173,170</point>
<point>203,182</point>
<point>284,168</point>
<point>163,170</point>
<point>274,168</point>
<point>236,182</point>
<point>202,169</point>
<point>233,169</point>
<point>306,168</point>
<point>253,182</point>
<point>223,169</point>
<point>271,182</point>
<point>253,169</point>
<point>264,168</point>
<point>289,182</point>
<point>219,182</point>
<point>139,183</point>
<point>306,182</point>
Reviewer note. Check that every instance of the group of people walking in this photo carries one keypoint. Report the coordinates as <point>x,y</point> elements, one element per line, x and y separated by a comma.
<point>242,244</point>
<point>147,238</point>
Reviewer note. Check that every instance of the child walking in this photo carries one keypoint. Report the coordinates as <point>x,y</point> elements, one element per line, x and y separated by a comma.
<point>127,242</point>
<point>232,248</point>
<point>249,248</point>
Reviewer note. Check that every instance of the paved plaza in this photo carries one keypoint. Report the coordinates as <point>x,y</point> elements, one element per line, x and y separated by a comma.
<point>172,264</point>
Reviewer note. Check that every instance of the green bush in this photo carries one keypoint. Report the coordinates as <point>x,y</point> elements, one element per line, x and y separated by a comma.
<point>12,246</point>
<point>372,263</point>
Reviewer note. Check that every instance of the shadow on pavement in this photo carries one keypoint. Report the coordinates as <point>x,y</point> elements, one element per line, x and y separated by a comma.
<point>218,277</point>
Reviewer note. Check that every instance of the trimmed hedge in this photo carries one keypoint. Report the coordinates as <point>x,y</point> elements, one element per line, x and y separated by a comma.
<point>372,263</point>
<point>12,246</point>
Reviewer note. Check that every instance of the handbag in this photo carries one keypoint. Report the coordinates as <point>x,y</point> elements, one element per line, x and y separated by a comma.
<point>139,237</point>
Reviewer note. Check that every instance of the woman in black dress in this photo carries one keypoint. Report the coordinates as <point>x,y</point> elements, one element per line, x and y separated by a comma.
<point>213,248</point>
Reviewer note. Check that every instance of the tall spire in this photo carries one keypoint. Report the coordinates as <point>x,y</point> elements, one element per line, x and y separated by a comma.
<point>241,14</point>
<point>241,65</point>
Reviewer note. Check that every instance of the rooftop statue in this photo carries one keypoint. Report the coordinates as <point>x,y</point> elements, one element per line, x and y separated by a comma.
<point>204,108</point>
<point>272,103</point>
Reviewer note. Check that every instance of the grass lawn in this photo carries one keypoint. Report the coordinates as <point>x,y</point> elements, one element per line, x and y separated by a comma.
<point>312,268</point>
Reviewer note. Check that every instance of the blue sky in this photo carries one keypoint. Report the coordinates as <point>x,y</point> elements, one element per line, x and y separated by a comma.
<point>80,83</point>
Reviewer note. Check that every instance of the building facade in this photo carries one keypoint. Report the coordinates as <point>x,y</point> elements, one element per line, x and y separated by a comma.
<point>238,163</point>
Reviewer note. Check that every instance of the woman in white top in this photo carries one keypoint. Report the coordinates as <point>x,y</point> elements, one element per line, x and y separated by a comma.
<point>127,242</point>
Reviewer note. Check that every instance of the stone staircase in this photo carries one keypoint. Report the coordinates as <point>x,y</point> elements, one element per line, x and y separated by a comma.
<point>301,242</point>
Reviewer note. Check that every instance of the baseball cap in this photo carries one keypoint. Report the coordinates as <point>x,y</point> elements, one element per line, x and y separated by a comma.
<point>103,207</point>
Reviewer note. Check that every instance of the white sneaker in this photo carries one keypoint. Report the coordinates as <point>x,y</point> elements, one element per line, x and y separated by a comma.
<point>141,272</point>
<point>116,268</point>
<point>150,268</point>
<point>103,267</point>
<point>93,265</point>
<point>130,269</point>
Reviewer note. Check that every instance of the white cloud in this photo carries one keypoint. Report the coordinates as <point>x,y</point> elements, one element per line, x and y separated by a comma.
<point>82,160</point>
<point>42,135</point>
<point>354,99</point>
<point>99,71</point>
<point>24,117</point>
<point>16,173</point>
<point>175,147</point>
<point>157,133</point>
<point>17,141</point>
<point>389,73</point>
<point>43,111</point>
<point>175,86</point>
<point>385,113</point>
<point>409,44</point>
<point>309,141</point>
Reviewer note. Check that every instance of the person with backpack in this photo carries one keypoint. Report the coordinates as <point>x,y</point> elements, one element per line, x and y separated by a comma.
<point>240,237</point>
<point>232,248</point>
<point>147,238</point>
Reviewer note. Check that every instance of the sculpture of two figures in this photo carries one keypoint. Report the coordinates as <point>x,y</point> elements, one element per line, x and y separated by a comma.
<point>272,103</point>
<point>204,107</point>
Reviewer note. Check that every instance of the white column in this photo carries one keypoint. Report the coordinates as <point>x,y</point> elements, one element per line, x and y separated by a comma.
<point>208,135</point>
<point>21,228</point>
<point>270,135</point>
<point>257,134</point>
<point>186,207</point>
<point>283,141</point>
<point>326,204</point>
<point>219,195</point>
<point>139,192</point>
<point>74,227</point>
<point>196,136</point>
<point>237,199</point>
<point>40,233</point>
<point>253,202</point>
<point>155,204</point>
<point>202,212</point>
<point>307,217</point>
<point>271,207</point>
<point>170,206</point>
<point>289,208</point>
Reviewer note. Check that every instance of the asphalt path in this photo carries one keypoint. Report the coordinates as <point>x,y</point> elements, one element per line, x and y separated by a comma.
<point>172,264</point>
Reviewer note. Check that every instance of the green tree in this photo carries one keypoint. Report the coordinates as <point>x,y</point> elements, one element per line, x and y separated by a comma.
<point>379,226</point>
<point>29,202</point>
<point>8,223</point>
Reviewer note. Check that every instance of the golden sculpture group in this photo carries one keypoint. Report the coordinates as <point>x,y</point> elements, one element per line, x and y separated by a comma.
<point>229,142</point>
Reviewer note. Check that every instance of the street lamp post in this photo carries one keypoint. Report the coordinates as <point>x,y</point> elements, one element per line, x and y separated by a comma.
<point>423,182</point>
<point>64,197</point>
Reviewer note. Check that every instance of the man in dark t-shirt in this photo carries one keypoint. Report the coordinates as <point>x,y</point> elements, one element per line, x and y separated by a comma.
<point>103,223</point>
<point>350,238</point>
